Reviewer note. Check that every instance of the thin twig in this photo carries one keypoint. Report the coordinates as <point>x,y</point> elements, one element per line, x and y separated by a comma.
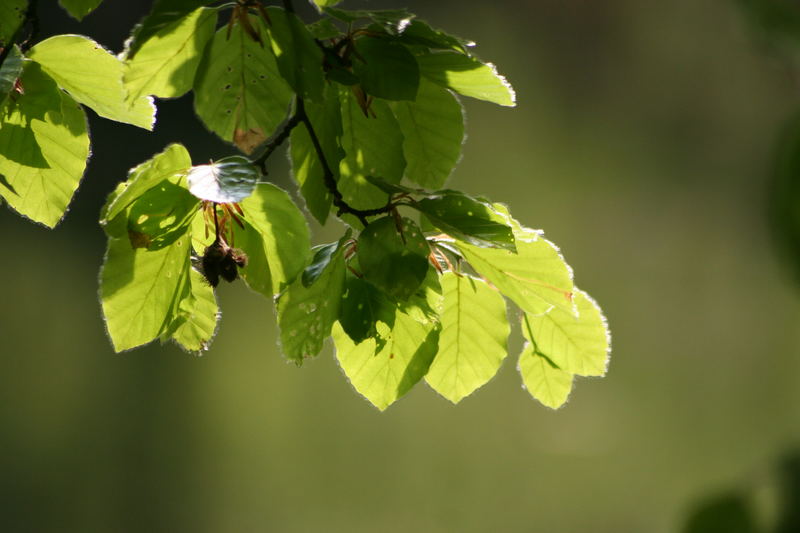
<point>278,140</point>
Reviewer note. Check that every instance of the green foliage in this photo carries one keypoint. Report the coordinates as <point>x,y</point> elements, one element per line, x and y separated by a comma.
<point>416,287</point>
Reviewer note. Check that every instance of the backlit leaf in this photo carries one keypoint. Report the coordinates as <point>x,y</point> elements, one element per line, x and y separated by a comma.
<point>238,93</point>
<point>386,69</point>
<point>433,133</point>
<point>473,341</point>
<point>165,64</point>
<point>299,57</point>
<point>141,290</point>
<point>468,76</point>
<point>284,232</point>
<point>93,77</point>
<point>79,8</point>
<point>578,345</point>
<point>44,144</point>
<point>161,215</point>
<point>12,13</point>
<point>387,375</point>
<point>363,306</point>
<point>199,315</point>
<point>544,380</point>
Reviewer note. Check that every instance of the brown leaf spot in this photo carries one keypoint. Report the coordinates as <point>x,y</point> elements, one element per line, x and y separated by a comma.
<point>138,239</point>
<point>247,141</point>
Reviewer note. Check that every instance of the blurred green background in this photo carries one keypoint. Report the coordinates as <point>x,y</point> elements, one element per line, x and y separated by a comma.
<point>642,144</point>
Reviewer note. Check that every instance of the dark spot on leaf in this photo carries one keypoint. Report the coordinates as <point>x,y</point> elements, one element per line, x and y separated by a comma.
<point>262,77</point>
<point>227,111</point>
<point>227,87</point>
<point>230,69</point>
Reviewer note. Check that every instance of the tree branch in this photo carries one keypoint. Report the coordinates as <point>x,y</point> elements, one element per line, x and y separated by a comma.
<point>327,173</point>
<point>261,161</point>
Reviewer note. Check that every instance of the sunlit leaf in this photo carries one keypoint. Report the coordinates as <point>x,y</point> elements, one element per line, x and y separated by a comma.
<point>79,8</point>
<point>161,215</point>
<point>387,375</point>
<point>578,345</point>
<point>373,146</point>
<point>165,64</point>
<point>230,179</point>
<point>420,33</point>
<point>44,144</point>
<point>174,160</point>
<point>238,93</point>
<point>468,76</point>
<point>535,278</point>
<point>433,133</point>
<point>324,3</point>
<point>284,232</point>
<point>141,290</point>
<point>473,341</point>
<point>93,77</point>
<point>199,315</point>
<point>393,21</point>
<point>162,14</point>
<point>544,380</point>
<point>394,258</point>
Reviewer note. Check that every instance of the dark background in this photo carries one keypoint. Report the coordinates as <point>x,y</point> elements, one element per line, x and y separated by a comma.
<point>642,144</point>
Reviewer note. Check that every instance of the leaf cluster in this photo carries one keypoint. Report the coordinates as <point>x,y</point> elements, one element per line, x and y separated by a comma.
<point>418,285</point>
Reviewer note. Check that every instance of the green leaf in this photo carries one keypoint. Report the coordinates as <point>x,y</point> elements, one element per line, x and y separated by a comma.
<point>363,306</point>
<point>238,92</point>
<point>306,168</point>
<point>468,76</point>
<point>10,71</point>
<point>161,215</point>
<point>44,144</point>
<point>324,29</point>
<point>544,380</point>
<point>162,14</point>
<point>93,77</point>
<point>474,337</point>
<point>305,314</point>
<point>79,8</point>
<point>578,345</point>
<point>284,232</point>
<point>173,161</point>
<point>467,219</point>
<point>419,33</point>
<point>535,278</point>
<point>299,57</point>
<point>324,3</point>
<point>394,259</point>
<point>12,14</point>
<point>230,179</point>
<point>425,305</point>
<point>323,254</point>
<point>141,290</point>
<point>386,69</point>
<point>433,133</point>
<point>373,146</point>
<point>385,376</point>
<point>199,315</point>
<point>165,64</point>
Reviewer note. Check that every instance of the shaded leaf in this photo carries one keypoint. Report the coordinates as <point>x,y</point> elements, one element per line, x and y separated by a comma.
<point>299,58</point>
<point>79,8</point>
<point>420,33</point>
<point>162,14</point>
<point>387,375</point>
<point>44,144</point>
<point>161,215</point>
<point>578,345</point>
<point>433,133</point>
<point>165,64</point>
<point>363,306</point>
<point>238,92</point>
<point>306,167</point>
<point>394,259</point>
<point>467,219</point>
<point>322,256</point>
<point>543,379</point>
<point>386,69</point>
<point>10,71</point>
<point>393,21</point>
<point>373,147</point>
<point>473,341</point>
<point>305,314</point>
<point>230,179</point>
<point>93,77</point>
<point>468,76</point>
<point>12,14</point>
